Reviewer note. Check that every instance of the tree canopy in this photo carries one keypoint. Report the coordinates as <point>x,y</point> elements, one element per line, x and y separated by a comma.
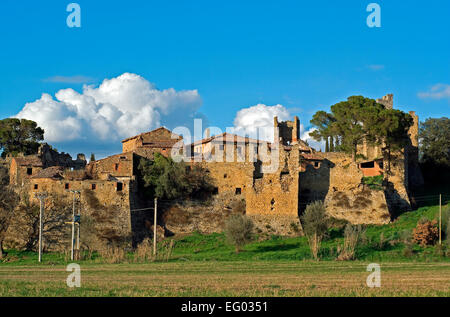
<point>166,179</point>
<point>358,120</point>
<point>19,136</point>
<point>434,136</point>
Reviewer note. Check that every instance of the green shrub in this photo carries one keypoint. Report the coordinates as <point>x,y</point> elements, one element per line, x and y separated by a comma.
<point>239,230</point>
<point>374,182</point>
<point>315,225</point>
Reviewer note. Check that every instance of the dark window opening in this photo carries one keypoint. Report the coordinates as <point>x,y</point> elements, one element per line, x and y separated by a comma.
<point>29,171</point>
<point>119,187</point>
<point>238,191</point>
<point>215,191</point>
<point>35,186</point>
<point>116,166</point>
<point>225,175</point>
<point>316,164</point>
<point>368,165</point>
<point>94,186</point>
<point>66,186</point>
<point>272,203</point>
<point>123,157</point>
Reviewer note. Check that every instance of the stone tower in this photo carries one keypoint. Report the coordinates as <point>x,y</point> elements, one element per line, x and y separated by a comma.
<point>286,132</point>
<point>387,101</point>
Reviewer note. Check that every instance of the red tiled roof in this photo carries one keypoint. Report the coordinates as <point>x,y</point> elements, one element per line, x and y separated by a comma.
<point>228,137</point>
<point>50,172</point>
<point>143,135</point>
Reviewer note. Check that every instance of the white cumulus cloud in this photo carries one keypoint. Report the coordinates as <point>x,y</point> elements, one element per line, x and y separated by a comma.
<point>120,107</point>
<point>257,122</point>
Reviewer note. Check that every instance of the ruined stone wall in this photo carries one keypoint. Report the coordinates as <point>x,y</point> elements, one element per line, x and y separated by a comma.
<point>347,198</point>
<point>397,184</point>
<point>19,168</point>
<point>287,131</point>
<point>106,194</point>
<point>230,176</point>
<point>120,165</point>
<point>415,177</point>
<point>132,144</point>
<point>273,199</point>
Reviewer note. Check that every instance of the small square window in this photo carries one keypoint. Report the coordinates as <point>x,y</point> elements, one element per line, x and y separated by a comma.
<point>215,191</point>
<point>116,166</point>
<point>119,187</point>
<point>238,191</point>
<point>36,186</point>
<point>66,186</point>
<point>225,175</point>
<point>29,171</point>
<point>94,186</point>
<point>316,164</point>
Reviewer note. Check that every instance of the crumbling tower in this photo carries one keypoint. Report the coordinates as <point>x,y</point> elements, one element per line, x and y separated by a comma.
<point>286,132</point>
<point>387,101</point>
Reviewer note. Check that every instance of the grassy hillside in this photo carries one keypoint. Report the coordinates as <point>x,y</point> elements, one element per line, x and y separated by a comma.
<point>381,243</point>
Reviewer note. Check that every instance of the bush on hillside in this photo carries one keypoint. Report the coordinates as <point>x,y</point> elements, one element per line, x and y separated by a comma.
<point>315,225</point>
<point>426,232</point>
<point>352,237</point>
<point>239,230</point>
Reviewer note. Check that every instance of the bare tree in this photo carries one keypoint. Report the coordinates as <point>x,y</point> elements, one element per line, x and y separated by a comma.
<point>8,202</point>
<point>25,226</point>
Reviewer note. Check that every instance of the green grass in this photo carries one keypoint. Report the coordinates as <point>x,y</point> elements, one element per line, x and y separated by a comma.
<point>212,247</point>
<point>204,265</point>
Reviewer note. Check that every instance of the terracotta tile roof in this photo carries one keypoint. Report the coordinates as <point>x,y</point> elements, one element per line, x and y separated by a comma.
<point>128,155</point>
<point>32,160</point>
<point>50,172</point>
<point>147,134</point>
<point>160,144</point>
<point>228,137</point>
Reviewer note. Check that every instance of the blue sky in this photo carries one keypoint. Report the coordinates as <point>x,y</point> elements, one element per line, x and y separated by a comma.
<point>304,55</point>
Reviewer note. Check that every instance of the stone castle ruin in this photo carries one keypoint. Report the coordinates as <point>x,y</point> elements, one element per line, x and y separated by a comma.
<point>275,190</point>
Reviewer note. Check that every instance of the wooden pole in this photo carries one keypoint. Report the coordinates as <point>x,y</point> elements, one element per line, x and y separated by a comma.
<point>41,211</point>
<point>440,219</point>
<point>154,225</point>
<point>41,197</point>
<point>73,227</point>
<point>75,192</point>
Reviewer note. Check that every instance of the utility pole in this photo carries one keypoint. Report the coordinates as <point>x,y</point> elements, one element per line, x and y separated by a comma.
<point>154,225</point>
<point>41,197</point>
<point>73,223</point>
<point>440,219</point>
